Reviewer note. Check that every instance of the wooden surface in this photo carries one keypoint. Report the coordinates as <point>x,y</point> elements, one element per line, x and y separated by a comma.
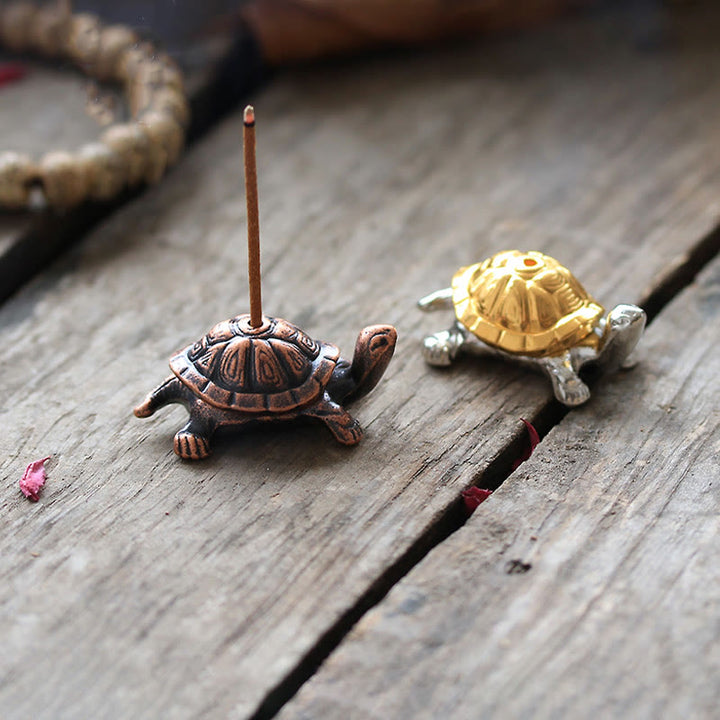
<point>587,586</point>
<point>142,586</point>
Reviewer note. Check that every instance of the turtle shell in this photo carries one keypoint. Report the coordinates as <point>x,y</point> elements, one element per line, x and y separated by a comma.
<point>272,368</point>
<point>525,303</point>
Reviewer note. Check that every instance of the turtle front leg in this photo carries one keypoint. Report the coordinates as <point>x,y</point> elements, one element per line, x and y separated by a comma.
<point>569,389</point>
<point>344,427</point>
<point>193,441</point>
<point>442,348</point>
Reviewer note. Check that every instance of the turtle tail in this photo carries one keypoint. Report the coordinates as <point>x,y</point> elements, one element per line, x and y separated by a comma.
<point>373,350</point>
<point>169,391</point>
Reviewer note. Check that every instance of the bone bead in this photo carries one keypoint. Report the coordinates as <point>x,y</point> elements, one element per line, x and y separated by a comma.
<point>114,41</point>
<point>63,179</point>
<point>156,159</point>
<point>16,175</point>
<point>160,71</point>
<point>134,147</point>
<point>49,30</point>
<point>156,162</point>
<point>172,102</point>
<point>105,170</point>
<point>165,132</point>
<point>151,76</point>
<point>83,42</point>
<point>139,96</point>
<point>16,19</point>
<point>131,60</point>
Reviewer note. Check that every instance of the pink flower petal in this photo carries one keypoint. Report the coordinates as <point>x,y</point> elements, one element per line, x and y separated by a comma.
<point>33,479</point>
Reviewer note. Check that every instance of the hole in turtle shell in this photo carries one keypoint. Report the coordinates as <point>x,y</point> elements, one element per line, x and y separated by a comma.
<point>529,262</point>
<point>242,323</point>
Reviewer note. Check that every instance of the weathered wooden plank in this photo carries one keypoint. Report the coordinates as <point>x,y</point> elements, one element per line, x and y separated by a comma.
<point>140,585</point>
<point>587,586</point>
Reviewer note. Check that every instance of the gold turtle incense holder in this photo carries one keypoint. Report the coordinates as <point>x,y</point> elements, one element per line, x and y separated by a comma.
<point>527,306</point>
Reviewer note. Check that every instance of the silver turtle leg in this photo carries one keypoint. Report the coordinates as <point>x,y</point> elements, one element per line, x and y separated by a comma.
<point>569,389</point>
<point>441,348</point>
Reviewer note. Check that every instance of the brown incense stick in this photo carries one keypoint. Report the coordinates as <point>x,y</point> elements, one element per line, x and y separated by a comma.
<point>253,220</point>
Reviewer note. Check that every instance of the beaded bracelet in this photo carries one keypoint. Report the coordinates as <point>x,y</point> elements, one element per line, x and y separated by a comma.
<point>127,153</point>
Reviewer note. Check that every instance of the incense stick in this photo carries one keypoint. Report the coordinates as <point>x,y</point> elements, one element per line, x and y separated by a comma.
<point>253,220</point>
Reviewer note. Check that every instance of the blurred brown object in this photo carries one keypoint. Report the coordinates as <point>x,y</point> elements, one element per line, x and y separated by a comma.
<point>303,29</point>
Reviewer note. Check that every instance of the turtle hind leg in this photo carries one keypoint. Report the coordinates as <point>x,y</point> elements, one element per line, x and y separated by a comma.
<point>344,427</point>
<point>374,348</point>
<point>569,389</point>
<point>442,348</point>
<point>193,441</point>
<point>171,390</point>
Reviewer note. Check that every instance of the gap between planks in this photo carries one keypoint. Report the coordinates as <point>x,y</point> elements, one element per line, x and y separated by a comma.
<point>675,280</point>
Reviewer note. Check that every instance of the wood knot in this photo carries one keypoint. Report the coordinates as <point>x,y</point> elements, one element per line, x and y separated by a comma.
<point>517,567</point>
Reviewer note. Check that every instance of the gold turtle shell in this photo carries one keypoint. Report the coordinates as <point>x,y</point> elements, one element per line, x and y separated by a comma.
<point>526,304</point>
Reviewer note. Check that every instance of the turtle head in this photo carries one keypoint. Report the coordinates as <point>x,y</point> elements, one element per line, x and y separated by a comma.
<point>625,325</point>
<point>626,317</point>
<point>373,350</point>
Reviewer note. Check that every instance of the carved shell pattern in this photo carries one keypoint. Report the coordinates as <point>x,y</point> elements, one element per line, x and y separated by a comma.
<point>525,303</point>
<point>273,368</point>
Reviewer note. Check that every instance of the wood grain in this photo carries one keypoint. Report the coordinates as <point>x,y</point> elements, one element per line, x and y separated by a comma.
<point>587,585</point>
<point>143,586</point>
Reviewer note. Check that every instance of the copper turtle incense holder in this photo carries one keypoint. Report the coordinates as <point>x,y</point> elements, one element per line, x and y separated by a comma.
<point>254,368</point>
<point>529,307</point>
<point>239,374</point>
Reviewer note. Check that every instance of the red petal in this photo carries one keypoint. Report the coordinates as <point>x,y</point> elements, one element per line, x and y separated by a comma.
<point>533,433</point>
<point>474,496</point>
<point>11,72</point>
<point>533,440</point>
